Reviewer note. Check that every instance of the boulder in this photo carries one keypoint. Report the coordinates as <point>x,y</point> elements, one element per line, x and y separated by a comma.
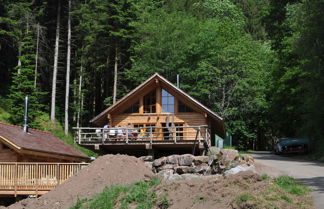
<point>165,167</point>
<point>165,174</point>
<point>148,158</point>
<point>173,159</point>
<point>149,165</point>
<point>159,162</point>
<point>248,159</point>
<point>228,155</point>
<point>238,169</point>
<point>175,177</point>
<point>201,169</point>
<point>213,151</point>
<point>188,176</point>
<point>198,160</point>
<point>184,169</point>
<point>186,160</point>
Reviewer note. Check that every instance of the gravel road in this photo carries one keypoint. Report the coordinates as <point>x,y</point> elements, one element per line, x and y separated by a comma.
<point>310,173</point>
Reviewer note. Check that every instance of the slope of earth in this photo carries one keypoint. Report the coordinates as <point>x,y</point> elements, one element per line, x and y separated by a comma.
<point>243,190</point>
<point>106,171</point>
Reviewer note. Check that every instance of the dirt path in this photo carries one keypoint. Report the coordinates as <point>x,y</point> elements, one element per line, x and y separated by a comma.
<point>309,173</point>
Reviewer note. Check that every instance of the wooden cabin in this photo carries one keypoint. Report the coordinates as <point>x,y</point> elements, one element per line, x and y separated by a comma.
<point>157,116</point>
<point>35,146</point>
<point>34,162</point>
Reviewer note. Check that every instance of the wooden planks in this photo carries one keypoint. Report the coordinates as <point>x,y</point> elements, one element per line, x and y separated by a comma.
<point>17,178</point>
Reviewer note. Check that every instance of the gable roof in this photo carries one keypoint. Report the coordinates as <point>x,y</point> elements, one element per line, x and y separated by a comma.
<point>36,140</point>
<point>170,85</point>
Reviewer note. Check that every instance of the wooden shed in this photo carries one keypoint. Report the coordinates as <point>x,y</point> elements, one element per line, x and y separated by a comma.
<point>155,116</point>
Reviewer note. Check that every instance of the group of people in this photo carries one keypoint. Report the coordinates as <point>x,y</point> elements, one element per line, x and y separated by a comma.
<point>124,132</point>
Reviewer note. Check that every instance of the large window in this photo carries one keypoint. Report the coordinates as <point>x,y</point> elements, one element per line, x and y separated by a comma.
<point>133,109</point>
<point>167,102</point>
<point>150,102</point>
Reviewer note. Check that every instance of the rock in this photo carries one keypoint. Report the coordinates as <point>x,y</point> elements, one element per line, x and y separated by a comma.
<point>173,159</point>
<point>186,160</point>
<point>175,177</point>
<point>228,155</point>
<point>165,167</point>
<point>213,151</point>
<point>149,165</point>
<point>165,174</point>
<point>148,158</point>
<point>190,176</point>
<point>248,159</point>
<point>198,160</point>
<point>200,169</point>
<point>238,169</point>
<point>159,162</point>
<point>184,169</point>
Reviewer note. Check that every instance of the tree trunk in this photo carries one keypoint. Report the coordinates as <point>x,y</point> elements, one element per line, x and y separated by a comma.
<point>19,55</point>
<point>36,57</point>
<point>67,86</point>
<point>80,100</point>
<point>55,63</point>
<point>115,76</point>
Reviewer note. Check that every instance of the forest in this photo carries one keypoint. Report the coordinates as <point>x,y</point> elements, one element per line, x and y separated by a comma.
<point>259,64</point>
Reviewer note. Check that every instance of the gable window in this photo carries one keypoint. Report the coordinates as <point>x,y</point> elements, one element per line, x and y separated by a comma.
<point>183,108</point>
<point>133,109</point>
<point>150,102</point>
<point>167,102</point>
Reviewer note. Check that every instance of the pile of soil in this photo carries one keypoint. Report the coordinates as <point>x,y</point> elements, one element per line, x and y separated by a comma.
<point>243,190</point>
<point>105,171</point>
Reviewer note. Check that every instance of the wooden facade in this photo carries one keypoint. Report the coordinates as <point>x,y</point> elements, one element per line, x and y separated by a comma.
<point>158,108</point>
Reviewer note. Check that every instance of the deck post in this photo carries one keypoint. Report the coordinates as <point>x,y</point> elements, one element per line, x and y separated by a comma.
<point>103,136</point>
<point>127,135</point>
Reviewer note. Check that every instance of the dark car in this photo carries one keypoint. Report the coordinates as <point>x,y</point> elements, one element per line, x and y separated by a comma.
<point>291,145</point>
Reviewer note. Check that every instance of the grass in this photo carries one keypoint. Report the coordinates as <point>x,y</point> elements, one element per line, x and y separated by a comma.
<point>57,130</point>
<point>122,197</point>
<point>292,186</point>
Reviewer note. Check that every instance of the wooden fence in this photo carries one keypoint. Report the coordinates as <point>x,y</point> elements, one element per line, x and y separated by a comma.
<point>34,178</point>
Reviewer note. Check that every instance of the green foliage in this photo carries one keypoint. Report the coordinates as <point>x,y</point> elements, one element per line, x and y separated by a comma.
<point>138,193</point>
<point>57,130</point>
<point>292,186</point>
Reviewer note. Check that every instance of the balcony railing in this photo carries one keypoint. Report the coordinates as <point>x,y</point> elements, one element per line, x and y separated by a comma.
<point>34,178</point>
<point>150,134</point>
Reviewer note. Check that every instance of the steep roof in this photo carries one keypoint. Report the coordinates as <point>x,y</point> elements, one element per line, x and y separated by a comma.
<point>170,85</point>
<point>36,140</point>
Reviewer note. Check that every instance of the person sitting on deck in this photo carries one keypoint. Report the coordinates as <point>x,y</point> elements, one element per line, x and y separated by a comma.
<point>120,132</point>
<point>129,131</point>
<point>142,133</point>
<point>105,130</point>
<point>112,133</point>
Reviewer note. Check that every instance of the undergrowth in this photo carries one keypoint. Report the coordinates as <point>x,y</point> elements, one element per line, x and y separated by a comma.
<point>292,186</point>
<point>139,194</point>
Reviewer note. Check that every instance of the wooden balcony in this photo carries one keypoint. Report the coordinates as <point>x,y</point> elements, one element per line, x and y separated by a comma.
<point>119,139</point>
<point>34,178</point>
<point>149,134</point>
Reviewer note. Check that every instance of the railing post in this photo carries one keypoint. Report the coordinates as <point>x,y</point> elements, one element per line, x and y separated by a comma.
<point>103,136</point>
<point>37,177</point>
<point>58,174</point>
<point>16,179</point>
<point>199,136</point>
<point>127,129</point>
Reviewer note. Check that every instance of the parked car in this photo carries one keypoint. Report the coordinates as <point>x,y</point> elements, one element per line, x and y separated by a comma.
<point>291,145</point>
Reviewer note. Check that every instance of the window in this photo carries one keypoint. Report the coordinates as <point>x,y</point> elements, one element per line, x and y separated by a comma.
<point>167,102</point>
<point>150,102</point>
<point>183,108</point>
<point>133,109</point>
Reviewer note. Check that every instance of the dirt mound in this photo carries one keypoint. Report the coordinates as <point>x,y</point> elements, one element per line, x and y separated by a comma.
<point>243,190</point>
<point>107,170</point>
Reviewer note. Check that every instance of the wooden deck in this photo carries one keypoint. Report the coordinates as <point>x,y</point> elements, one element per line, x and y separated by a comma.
<point>34,178</point>
<point>127,139</point>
